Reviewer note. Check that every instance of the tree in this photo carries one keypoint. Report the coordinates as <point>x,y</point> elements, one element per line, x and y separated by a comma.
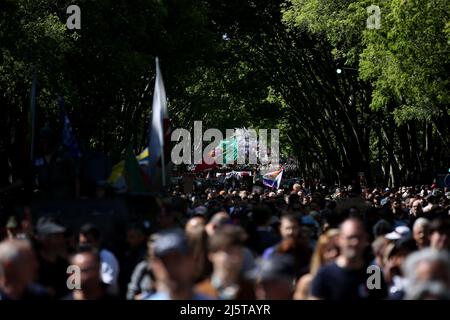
<point>405,61</point>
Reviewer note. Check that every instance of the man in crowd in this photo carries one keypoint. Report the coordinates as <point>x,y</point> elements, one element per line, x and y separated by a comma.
<point>295,243</point>
<point>399,215</point>
<point>416,210</point>
<point>91,287</point>
<point>218,220</point>
<point>275,278</point>
<point>226,253</point>
<point>195,223</point>
<point>440,234</point>
<point>167,216</point>
<point>90,236</point>
<point>289,229</point>
<point>51,249</point>
<point>135,253</point>
<point>346,279</point>
<point>421,233</point>
<point>263,237</point>
<point>173,267</point>
<point>18,268</point>
<point>428,275</point>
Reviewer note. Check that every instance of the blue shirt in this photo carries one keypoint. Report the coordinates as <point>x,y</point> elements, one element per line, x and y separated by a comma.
<point>335,283</point>
<point>165,296</point>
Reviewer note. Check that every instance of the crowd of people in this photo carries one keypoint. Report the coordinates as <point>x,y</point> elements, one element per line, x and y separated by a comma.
<point>232,240</point>
<point>307,241</point>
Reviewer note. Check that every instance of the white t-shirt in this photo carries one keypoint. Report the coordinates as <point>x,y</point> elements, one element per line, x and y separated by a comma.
<point>110,271</point>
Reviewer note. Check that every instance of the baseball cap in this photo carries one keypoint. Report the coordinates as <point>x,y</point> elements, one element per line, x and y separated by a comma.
<point>47,226</point>
<point>200,210</point>
<point>385,201</point>
<point>170,241</point>
<point>382,227</point>
<point>278,266</point>
<point>12,223</point>
<point>399,233</point>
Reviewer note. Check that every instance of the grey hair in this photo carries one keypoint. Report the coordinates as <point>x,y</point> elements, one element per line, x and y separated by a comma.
<point>421,222</point>
<point>429,289</point>
<point>10,251</point>
<point>426,255</point>
<point>416,289</point>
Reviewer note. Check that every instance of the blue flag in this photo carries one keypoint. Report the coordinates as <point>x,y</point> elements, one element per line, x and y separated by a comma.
<point>68,137</point>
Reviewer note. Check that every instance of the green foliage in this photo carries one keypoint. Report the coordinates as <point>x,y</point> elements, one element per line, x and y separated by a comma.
<point>407,60</point>
<point>239,63</point>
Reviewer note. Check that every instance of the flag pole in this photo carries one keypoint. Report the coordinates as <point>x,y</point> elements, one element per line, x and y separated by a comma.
<point>33,113</point>
<point>163,165</point>
<point>163,162</point>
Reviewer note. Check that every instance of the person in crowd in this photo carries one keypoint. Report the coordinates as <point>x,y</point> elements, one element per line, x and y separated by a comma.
<point>296,188</point>
<point>142,283</point>
<point>194,224</point>
<point>289,229</point>
<point>378,249</point>
<point>226,253</point>
<point>295,204</point>
<point>421,233</point>
<point>18,267</point>
<point>275,278</point>
<point>167,217</point>
<point>218,220</point>
<point>51,254</point>
<point>262,236</point>
<point>87,263</point>
<point>431,205</point>
<point>346,278</point>
<point>416,210</point>
<point>173,265</point>
<point>399,215</point>
<point>198,242</point>
<point>397,222</point>
<point>90,235</point>
<point>395,254</point>
<point>135,253</point>
<point>400,232</point>
<point>12,228</point>
<point>299,249</point>
<point>428,275</point>
<point>326,251</point>
<point>440,234</point>
<point>381,228</point>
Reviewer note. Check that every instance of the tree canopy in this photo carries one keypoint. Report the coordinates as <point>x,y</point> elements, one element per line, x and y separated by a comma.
<point>238,63</point>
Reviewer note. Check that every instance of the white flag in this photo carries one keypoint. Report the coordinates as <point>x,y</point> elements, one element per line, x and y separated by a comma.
<point>159,124</point>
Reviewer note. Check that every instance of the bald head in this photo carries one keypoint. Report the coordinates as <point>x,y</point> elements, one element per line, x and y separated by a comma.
<point>349,225</point>
<point>217,220</point>
<point>11,252</point>
<point>88,262</point>
<point>195,224</point>
<point>18,264</point>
